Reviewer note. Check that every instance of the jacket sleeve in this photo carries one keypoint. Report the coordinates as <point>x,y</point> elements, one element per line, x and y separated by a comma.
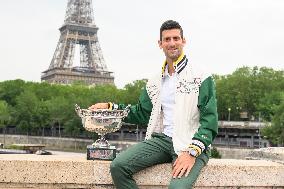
<point>208,120</point>
<point>139,113</point>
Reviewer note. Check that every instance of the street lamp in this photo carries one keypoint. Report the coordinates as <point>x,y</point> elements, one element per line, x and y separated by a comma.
<point>259,137</point>
<point>229,117</point>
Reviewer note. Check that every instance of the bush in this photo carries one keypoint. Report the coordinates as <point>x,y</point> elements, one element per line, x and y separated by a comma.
<point>215,153</point>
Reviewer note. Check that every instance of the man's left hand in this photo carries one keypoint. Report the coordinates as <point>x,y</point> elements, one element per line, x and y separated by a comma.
<point>183,165</point>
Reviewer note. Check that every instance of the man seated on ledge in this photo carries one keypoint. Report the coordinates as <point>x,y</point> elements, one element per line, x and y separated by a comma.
<point>179,106</point>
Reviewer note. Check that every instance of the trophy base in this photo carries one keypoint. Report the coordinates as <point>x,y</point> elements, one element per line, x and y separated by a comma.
<point>101,153</point>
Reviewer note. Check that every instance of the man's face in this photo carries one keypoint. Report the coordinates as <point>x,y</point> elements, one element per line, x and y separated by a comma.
<point>172,44</point>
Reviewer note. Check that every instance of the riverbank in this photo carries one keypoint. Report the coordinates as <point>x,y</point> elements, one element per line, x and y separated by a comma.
<point>79,145</point>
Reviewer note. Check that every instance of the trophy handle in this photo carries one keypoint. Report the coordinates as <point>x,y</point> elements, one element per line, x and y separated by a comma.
<point>126,110</point>
<point>78,110</point>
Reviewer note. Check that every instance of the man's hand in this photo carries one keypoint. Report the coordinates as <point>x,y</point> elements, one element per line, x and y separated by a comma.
<point>99,106</point>
<point>183,165</point>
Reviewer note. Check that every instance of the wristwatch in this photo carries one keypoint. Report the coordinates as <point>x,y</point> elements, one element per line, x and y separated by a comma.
<point>192,152</point>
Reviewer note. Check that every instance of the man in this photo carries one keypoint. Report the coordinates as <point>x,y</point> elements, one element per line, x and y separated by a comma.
<point>179,107</point>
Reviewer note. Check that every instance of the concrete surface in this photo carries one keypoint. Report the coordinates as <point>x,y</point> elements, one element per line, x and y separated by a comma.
<point>72,170</point>
<point>275,154</point>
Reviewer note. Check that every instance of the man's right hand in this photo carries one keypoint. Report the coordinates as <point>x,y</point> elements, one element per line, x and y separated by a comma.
<point>99,106</point>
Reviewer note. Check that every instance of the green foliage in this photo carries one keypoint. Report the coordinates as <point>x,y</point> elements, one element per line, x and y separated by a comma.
<point>215,153</point>
<point>275,132</point>
<point>10,89</point>
<point>34,106</point>
<point>132,91</point>
<point>268,104</point>
<point>14,147</point>
<point>252,90</point>
<point>257,91</point>
<point>25,110</point>
<point>4,113</point>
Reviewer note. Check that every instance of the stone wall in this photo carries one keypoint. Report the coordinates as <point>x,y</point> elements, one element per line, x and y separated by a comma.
<point>71,144</point>
<point>234,153</point>
<point>72,170</point>
<point>50,142</point>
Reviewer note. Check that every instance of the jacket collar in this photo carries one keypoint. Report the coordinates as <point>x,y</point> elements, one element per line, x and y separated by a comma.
<point>179,64</point>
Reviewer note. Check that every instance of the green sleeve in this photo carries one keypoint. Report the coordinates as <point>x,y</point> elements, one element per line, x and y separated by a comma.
<point>208,120</point>
<point>139,113</point>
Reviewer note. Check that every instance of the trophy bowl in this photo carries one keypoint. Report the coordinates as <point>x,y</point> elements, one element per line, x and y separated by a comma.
<point>101,121</point>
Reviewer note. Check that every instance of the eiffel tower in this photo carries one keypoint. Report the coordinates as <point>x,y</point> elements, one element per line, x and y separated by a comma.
<point>78,30</point>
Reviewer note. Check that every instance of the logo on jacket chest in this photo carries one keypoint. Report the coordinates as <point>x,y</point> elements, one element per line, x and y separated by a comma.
<point>188,86</point>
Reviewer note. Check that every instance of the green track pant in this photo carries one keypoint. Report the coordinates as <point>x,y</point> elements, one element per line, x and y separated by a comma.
<point>157,150</point>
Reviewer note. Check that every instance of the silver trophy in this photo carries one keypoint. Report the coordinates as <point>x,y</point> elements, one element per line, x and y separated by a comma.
<point>101,121</point>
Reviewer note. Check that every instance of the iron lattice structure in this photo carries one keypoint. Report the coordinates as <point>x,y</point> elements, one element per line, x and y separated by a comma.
<point>80,30</point>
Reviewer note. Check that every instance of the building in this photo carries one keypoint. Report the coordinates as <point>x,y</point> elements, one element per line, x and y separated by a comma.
<point>245,134</point>
<point>230,134</point>
<point>78,34</point>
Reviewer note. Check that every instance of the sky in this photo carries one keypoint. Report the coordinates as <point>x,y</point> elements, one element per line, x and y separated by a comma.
<point>222,35</point>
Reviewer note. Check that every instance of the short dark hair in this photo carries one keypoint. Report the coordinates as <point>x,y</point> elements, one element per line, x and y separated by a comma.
<point>170,24</point>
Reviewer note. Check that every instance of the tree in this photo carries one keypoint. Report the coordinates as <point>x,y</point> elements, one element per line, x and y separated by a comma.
<point>132,91</point>
<point>104,93</point>
<point>215,153</point>
<point>4,113</point>
<point>248,89</point>
<point>36,106</point>
<point>9,90</point>
<point>41,116</point>
<point>275,132</point>
<point>268,104</point>
<point>24,111</point>
<point>57,108</point>
<point>4,116</point>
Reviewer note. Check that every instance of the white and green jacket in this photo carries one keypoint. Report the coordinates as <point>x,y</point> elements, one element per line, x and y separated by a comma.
<point>195,117</point>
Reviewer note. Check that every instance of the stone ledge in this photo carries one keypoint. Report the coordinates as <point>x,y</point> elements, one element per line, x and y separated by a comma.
<point>71,170</point>
<point>275,154</point>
